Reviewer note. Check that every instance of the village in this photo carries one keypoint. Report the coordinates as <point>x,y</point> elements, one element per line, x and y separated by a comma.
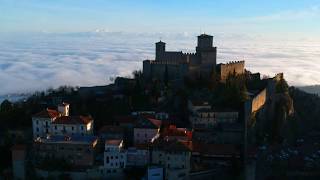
<point>184,117</point>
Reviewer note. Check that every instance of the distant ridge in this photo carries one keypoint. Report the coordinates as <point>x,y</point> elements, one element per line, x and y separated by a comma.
<point>314,89</point>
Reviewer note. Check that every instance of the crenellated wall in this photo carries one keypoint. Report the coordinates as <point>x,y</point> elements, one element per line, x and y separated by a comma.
<point>224,70</point>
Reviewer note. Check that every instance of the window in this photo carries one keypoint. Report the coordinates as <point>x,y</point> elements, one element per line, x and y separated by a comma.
<point>81,127</point>
<point>168,158</point>
<point>37,129</point>
<point>37,122</point>
<point>72,128</point>
<point>168,165</point>
<point>111,157</point>
<point>116,157</point>
<point>107,159</point>
<point>55,127</point>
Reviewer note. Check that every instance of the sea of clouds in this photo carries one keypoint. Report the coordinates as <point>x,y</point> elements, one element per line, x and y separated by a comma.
<point>37,61</point>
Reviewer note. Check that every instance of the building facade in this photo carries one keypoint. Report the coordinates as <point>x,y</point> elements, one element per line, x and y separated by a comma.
<point>115,158</point>
<point>58,122</point>
<point>174,156</point>
<point>203,116</point>
<point>146,129</point>
<point>77,150</point>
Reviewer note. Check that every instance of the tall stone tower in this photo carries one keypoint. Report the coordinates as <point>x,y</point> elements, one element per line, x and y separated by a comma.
<point>207,54</point>
<point>160,50</point>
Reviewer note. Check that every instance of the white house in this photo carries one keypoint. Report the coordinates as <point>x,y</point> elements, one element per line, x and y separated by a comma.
<point>72,125</point>
<point>146,128</point>
<point>115,158</point>
<point>58,122</point>
<point>138,155</point>
<point>41,122</point>
<point>174,156</point>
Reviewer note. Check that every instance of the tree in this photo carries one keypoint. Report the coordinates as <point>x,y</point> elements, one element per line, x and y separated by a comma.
<point>6,106</point>
<point>282,86</point>
<point>166,76</point>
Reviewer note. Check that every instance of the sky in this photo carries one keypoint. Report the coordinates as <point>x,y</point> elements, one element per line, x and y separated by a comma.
<point>46,43</point>
<point>245,16</point>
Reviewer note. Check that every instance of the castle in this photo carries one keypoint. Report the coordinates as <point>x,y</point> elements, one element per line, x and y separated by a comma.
<point>175,65</point>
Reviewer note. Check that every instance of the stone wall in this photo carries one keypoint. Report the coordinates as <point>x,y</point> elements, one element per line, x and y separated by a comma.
<point>157,70</point>
<point>259,100</point>
<point>225,70</point>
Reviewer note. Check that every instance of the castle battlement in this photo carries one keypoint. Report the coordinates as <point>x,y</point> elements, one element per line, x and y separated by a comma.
<point>233,62</point>
<point>189,54</point>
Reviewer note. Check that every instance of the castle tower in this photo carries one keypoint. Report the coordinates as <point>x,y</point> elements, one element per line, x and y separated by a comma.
<point>206,53</point>
<point>160,50</point>
<point>204,42</point>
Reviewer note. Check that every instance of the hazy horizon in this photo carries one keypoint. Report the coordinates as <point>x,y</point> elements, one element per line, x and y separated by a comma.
<point>47,44</point>
<point>39,61</point>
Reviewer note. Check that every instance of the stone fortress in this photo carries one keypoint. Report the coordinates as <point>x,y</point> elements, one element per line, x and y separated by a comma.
<point>175,65</point>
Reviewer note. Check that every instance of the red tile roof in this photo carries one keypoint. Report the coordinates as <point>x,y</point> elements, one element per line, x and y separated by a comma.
<point>115,142</point>
<point>48,113</point>
<point>173,131</point>
<point>73,120</point>
<point>155,122</point>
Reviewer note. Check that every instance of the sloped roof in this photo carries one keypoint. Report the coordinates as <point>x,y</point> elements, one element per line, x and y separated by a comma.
<point>73,120</point>
<point>115,142</point>
<point>147,121</point>
<point>47,113</point>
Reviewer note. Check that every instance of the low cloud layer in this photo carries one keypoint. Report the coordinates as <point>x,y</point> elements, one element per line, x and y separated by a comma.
<point>39,61</point>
